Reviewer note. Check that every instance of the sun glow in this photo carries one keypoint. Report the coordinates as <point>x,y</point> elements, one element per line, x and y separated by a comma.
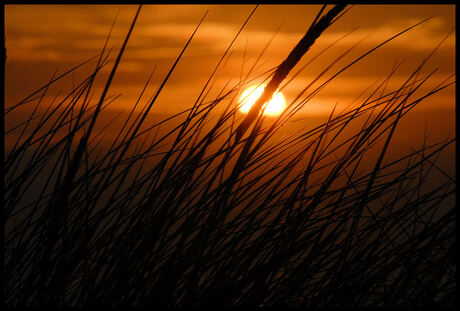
<point>274,107</point>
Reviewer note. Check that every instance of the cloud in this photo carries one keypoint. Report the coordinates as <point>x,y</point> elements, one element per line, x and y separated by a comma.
<point>63,35</point>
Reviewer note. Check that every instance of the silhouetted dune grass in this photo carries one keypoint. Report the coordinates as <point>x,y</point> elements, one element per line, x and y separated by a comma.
<point>196,209</point>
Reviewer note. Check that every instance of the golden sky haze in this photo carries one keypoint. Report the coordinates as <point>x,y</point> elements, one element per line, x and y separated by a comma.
<point>43,38</point>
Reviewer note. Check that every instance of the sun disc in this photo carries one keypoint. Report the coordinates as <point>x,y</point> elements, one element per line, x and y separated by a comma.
<point>274,107</point>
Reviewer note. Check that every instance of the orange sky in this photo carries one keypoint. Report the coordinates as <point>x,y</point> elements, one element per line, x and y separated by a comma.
<point>43,38</point>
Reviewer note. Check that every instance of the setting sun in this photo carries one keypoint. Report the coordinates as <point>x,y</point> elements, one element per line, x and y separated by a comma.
<point>275,106</point>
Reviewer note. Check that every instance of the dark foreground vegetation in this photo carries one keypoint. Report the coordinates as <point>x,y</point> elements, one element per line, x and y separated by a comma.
<point>209,207</point>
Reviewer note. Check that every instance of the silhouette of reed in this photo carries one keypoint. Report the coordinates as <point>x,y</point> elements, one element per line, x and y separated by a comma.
<point>194,213</point>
